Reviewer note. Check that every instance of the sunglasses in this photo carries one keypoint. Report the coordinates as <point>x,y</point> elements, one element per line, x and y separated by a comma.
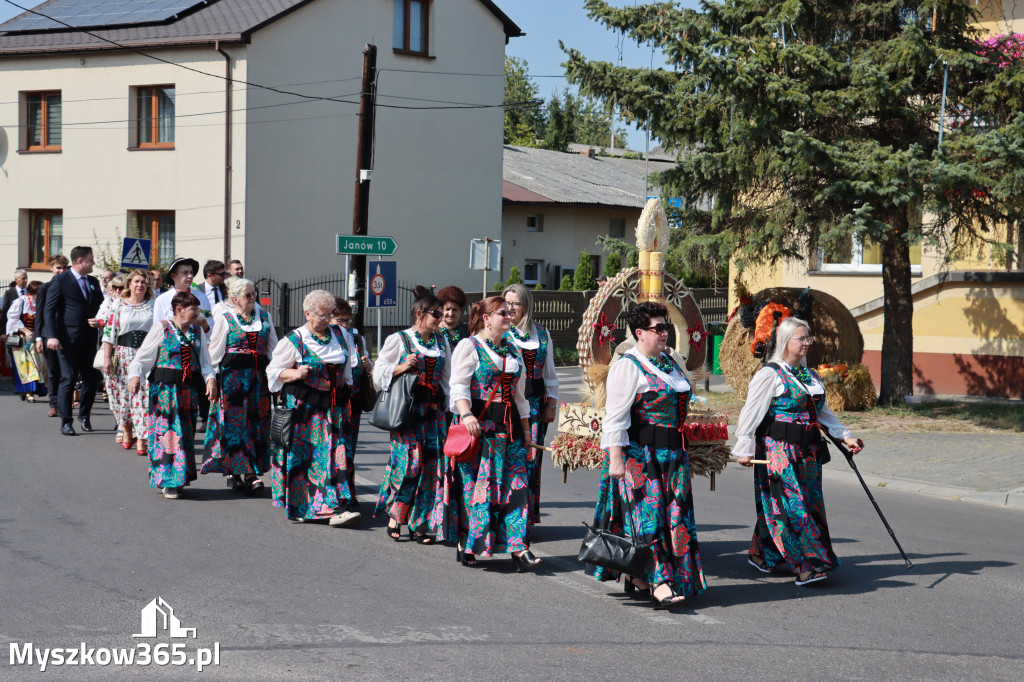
<point>247,297</point>
<point>660,328</point>
<point>435,313</point>
<point>503,313</point>
<point>220,274</point>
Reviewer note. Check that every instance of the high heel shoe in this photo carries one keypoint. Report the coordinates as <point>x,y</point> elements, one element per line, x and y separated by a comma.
<point>394,532</point>
<point>526,561</point>
<point>630,587</point>
<point>668,602</point>
<point>464,557</point>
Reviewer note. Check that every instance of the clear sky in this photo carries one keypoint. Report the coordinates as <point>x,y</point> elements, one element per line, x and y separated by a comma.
<point>545,22</point>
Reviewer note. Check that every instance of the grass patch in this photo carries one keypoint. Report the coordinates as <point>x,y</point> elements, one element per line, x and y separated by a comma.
<point>949,415</point>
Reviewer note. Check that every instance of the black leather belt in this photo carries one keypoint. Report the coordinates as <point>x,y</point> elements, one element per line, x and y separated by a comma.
<point>658,437</point>
<point>320,400</point>
<point>132,339</point>
<point>170,376</point>
<point>534,387</point>
<point>245,361</point>
<point>794,433</point>
<point>495,412</point>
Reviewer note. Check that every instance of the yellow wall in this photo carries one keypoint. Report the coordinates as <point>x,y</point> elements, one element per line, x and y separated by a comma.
<point>1001,16</point>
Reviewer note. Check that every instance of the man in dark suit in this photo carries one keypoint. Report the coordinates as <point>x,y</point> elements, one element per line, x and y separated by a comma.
<point>58,264</point>
<point>72,300</point>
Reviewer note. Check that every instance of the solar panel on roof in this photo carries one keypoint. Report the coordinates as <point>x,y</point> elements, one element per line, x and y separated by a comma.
<point>99,13</point>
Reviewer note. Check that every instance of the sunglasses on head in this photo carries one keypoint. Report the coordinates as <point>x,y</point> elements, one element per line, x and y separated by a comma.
<point>660,328</point>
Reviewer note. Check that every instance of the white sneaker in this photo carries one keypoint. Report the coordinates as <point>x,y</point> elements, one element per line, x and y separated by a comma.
<point>345,518</point>
<point>170,493</point>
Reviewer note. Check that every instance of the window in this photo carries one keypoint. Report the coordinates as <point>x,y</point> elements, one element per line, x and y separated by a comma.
<point>45,237</point>
<point>534,223</point>
<point>412,27</point>
<point>532,270</point>
<point>154,115</point>
<point>595,267</point>
<point>858,256</point>
<point>159,227</point>
<point>42,122</point>
<point>617,228</point>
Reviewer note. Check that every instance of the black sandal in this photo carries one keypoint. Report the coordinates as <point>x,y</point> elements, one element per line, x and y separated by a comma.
<point>426,539</point>
<point>394,532</point>
<point>666,603</point>
<point>465,558</point>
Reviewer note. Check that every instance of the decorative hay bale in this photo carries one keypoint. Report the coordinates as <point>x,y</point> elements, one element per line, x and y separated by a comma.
<point>836,334</point>
<point>848,389</point>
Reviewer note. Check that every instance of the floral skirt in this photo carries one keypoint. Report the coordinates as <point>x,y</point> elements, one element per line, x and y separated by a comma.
<point>172,429</point>
<point>656,492</point>
<point>311,480</point>
<point>791,524</point>
<point>412,489</point>
<point>238,427</point>
<point>129,410</point>
<point>493,496</point>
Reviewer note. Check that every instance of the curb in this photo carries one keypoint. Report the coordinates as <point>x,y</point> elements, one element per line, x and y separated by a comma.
<point>1013,499</point>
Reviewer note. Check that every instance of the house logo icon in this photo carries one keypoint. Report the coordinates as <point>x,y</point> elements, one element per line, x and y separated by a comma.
<point>158,616</point>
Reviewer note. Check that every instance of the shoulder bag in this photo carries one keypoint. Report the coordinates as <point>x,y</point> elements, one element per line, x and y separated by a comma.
<point>460,445</point>
<point>603,548</point>
<point>393,407</point>
<point>282,424</point>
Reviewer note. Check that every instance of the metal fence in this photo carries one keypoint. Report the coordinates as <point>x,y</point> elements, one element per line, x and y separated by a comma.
<point>560,311</point>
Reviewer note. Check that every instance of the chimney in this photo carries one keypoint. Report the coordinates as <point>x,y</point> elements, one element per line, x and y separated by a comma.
<point>589,151</point>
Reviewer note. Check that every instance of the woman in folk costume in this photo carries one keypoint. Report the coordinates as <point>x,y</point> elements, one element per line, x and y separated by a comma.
<point>785,406</point>
<point>646,493</point>
<point>238,428</point>
<point>359,361</point>
<point>129,322</point>
<point>21,320</point>
<point>492,492</point>
<point>538,353</point>
<point>311,366</point>
<point>175,354</point>
<point>412,490</point>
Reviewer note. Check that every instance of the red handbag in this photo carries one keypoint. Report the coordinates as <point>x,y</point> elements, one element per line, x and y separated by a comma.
<point>460,445</point>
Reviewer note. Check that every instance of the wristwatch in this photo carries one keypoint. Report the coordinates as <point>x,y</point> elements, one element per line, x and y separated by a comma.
<point>463,416</point>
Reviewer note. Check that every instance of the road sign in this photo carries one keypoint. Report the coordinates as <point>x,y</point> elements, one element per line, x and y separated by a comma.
<point>135,253</point>
<point>351,244</point>
<point>382,290</point>
<point>477,249</point>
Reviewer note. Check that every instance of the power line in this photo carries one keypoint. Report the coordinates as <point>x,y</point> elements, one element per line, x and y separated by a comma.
<point>267,87</point>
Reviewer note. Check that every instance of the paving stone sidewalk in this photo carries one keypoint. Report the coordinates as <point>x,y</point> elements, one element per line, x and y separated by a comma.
<point>973,467</point>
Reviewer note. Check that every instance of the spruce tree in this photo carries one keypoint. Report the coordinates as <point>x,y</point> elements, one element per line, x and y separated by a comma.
<point>583,278</point>
<point>811,124</point>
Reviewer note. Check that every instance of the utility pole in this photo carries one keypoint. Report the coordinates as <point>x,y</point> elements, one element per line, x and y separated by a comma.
<point>364,167</point>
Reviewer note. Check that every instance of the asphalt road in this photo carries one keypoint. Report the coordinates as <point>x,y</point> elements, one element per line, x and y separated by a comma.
<point>85,544</point>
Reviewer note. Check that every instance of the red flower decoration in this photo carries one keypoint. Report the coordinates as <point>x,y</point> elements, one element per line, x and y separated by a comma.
<point>697,336</point>
<point>604,330</point>
<point>595,425</point>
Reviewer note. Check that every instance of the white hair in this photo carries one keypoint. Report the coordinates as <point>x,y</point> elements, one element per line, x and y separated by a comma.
<point>19,272</point>
<point>317,300</point>
<point>783,334</point>
<point>236,286</point>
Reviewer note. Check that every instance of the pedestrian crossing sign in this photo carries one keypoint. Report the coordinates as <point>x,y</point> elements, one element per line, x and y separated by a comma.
<point>135,253</point>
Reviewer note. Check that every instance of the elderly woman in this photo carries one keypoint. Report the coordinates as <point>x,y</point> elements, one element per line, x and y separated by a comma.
<point>129,321</point>
<point>645,490</point>
<point>29,371</point>
<point>311,366</point>
<point>538,353</point>
<point>238,428</point>
<point>453,302</point>
<point>493,492</point>
<point>412,490</point>
<point>176,356</point>
<point>780,421</point>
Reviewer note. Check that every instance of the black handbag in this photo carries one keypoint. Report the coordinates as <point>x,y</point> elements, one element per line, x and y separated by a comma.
<point>282,424</point>
<point>619,553</point>
<point>393,408</point>
<point>367,393</point>
<point>14,341</point>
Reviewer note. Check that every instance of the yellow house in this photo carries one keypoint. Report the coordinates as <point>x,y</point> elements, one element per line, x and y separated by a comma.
<point>968,315</point>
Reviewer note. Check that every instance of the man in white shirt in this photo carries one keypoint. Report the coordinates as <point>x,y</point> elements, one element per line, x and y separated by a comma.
<point>179,276</point>
<point>213,286</point>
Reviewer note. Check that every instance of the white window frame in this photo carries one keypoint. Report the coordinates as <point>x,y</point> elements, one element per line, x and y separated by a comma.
<point>855,266</point>
<point>539,264</point>
<point>538,222</point>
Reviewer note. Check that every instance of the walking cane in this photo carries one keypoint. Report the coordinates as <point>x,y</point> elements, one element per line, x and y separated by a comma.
<point>849,458</point>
